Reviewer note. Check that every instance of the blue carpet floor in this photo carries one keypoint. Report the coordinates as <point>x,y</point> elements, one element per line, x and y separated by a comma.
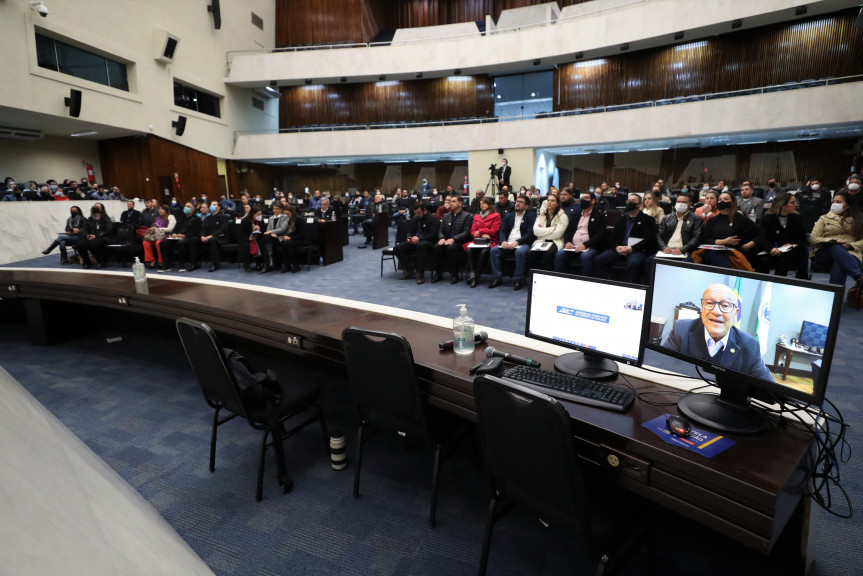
<point>137,405</point>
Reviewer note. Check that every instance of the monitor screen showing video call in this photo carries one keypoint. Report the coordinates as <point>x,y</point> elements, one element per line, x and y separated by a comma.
<point>594,316</point>
<point>776,333</point>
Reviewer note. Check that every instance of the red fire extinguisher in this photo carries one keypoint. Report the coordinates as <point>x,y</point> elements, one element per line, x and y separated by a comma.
<point>176,178</point>
<point>465,184</point>
<point>91,174</point>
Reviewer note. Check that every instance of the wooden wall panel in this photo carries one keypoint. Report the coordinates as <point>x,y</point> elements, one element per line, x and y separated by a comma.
<point>811,49</point>
<point>418,100</point>
<point>792,163</point>
<point>130,162</point>
<point>303,22</point>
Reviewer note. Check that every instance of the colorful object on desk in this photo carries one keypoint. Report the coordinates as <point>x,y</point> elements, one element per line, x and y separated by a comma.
<point>701,442</point>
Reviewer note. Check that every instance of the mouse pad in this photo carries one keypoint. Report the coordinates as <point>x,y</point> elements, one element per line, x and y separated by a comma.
<point>701,442</point>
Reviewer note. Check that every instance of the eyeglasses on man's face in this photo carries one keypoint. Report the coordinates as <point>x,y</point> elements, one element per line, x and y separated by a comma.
<point>724,307</point>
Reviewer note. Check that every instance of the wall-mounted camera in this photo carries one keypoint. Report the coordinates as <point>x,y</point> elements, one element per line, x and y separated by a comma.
<point>40,8</point>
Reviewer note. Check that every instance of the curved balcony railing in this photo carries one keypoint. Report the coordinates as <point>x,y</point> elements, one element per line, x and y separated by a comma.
<point>576,112</point>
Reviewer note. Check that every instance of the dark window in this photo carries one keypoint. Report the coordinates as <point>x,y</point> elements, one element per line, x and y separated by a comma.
<point>61,57</point>
<point>523,95</point>
<point>194,99</point>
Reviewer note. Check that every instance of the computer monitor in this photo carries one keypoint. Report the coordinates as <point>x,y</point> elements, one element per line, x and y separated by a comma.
<point>740,326</point>
<point>603,320</point>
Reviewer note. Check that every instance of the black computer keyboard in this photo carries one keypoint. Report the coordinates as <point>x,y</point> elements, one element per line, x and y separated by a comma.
<point>573,388</point>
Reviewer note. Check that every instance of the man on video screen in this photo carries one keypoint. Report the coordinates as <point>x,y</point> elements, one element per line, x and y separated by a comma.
<point>715,338</point>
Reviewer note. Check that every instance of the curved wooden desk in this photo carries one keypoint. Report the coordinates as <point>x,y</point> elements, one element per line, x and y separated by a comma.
<point>748,493</point>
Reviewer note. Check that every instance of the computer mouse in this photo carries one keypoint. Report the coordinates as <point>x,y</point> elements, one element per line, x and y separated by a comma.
<point>678,425</point>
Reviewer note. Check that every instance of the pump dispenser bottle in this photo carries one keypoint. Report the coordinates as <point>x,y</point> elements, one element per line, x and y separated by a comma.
<point>462,332</point>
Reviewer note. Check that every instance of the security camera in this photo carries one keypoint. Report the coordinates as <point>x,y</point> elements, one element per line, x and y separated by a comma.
<point>40,8</point>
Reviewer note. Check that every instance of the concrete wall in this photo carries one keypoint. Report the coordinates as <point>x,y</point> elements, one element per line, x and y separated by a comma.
<point>134,32</point>
<point>49,158</point>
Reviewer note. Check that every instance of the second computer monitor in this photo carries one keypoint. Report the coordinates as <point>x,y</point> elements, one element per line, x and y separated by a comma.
<point>601,319</point>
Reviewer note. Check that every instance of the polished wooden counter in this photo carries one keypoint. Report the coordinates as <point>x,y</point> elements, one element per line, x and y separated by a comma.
<point>748,493</point>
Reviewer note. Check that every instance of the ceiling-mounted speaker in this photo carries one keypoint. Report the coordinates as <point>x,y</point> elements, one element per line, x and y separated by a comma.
<point>214,9</point>
<point>167,47</point>
<point>74,103</point>
<point>179,125</point>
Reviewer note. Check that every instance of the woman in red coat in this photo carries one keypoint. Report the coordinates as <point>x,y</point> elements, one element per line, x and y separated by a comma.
<point>485,229</point>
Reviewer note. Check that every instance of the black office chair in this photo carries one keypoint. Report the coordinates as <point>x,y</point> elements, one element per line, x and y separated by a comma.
<point>531,459</point>
<point>384,386</point>
<point>221,391</point>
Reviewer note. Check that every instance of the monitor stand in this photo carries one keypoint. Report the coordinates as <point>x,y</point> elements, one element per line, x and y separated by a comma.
<point>728,412</point>
<point>586,366</point>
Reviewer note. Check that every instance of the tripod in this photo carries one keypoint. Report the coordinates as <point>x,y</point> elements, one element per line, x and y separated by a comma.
<point>494,183</point>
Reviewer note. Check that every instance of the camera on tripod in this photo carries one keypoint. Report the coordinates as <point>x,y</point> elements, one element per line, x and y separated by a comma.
<point>492,168</point>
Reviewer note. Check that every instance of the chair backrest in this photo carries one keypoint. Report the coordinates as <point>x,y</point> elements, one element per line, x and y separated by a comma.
<point>207,358</point>
<point>529,450</point>
<point>383,380</point>
<point>402,231</point>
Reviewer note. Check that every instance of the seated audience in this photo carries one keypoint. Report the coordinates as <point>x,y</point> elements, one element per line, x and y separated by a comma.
<point>652,207</point>
<point>149,213</point>
<point>749,204</point>
<point>503,204</point>
<point>298,235</point>
<point>486,229</point>
<point>378,207</point>
<point>277,227</point>
<point>326,213</point>
<point>852,191</point>
<point>680,232</point>
<point>74,224</point>
<point>161,227</point>
<point>584,237</point>
<point>251,226</point>
<point>570,206</point>
<point>733,230</point>
<point>130,215</point>
<point>516,230</point>
<point>784,237</point>
<point>444,209</point>
<point>837,240</point>
<point>191,237</point>
<point>402,207</point>
<point>708,210</point>
<point>548,228</point>
<point>214,233</point>
<point>474,208</point>
<point>422,234</point>
<point>94,237</point>
<point>454,231</point>
<point>633,240</point>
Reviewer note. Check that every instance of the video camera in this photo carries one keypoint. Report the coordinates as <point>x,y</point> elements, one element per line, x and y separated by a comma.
<point>492,168</point>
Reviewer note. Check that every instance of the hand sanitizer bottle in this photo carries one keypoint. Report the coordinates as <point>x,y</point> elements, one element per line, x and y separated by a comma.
<point>462,332</point>
<point>140,275</point>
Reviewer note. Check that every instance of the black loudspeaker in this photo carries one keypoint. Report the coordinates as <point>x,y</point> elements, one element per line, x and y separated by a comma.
<point>217,14</point>
<point>170,47</point>
<point>167,47</point>
<point>179,125</point>
<point>500,150</point>
<point>74,103</point>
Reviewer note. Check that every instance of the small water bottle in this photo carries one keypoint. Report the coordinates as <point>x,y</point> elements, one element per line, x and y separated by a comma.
<point>321,262</point>
<point>140,275</point>
<point>462,332</point>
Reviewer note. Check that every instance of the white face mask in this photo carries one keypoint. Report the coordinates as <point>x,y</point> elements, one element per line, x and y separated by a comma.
<point>837,208</point>
<point>705,188</point>
<point>681,207</point>
<point>259,217</point>
<point>854,186</point>
<point>816,187</point>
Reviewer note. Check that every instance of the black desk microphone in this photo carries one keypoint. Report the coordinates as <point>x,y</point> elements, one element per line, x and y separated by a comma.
<point>480,336</point>
<point>512,359</point>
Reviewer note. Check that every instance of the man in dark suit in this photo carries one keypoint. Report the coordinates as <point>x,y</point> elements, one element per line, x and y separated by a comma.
<point>454,232</point>
<point>634,241</point>
<point>512,238</point>
<point>504,173</point>
<point>130,215</point>
<point>584,236</point>
<point>422,234</point>
<point>715,338</point>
